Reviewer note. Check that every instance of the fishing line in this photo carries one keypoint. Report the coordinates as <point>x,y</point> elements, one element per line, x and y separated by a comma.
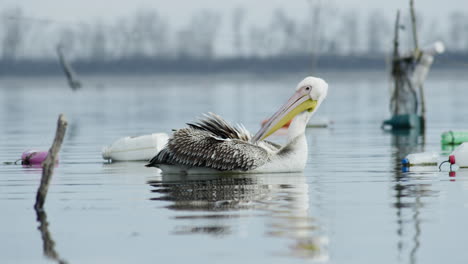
<point>440,166</point>
<point>11,162</point>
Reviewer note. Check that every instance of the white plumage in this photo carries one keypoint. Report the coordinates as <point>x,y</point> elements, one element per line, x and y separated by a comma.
<point>212,145</point>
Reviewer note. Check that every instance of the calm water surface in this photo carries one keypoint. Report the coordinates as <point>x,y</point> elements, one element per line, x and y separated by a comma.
<point>351,205</point>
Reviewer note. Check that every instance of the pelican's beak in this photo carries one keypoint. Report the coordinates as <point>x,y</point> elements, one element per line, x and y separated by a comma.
<point>298,103</point>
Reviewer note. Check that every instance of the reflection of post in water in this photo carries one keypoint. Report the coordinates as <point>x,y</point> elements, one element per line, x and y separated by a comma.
<point>407,195</point>
<point>213,201</point>
<point>48,243</point>
<point>417,229</point>
<point>409,205</point>
<point>406,141</point>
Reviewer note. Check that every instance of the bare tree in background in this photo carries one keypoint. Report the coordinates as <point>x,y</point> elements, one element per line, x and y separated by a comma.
<point>330,40</point>
<point>258,42</point>
<point>238,19</point>
<point>376,32</point>
<point>313,31</point>
<point>286,32</point>
<point>67,38</point>
<point>143,34</point>
<point>207,24</point>
<point>374,42</point>
<point>350,32</point>
<point>83,33</point>
<point>465,33</point>
<point>121,38</point>
<point>432,33</point>
<point>457,24</point>
<point>325,29</point>
<point>98,42</point>
<point>13,33</point>
<point>183,43</point>
<point>149,34</point>
<point>198,38</point>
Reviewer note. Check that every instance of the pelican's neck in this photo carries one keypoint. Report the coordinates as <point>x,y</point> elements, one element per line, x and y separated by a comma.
<point>293,156</point>
<point>298,125</point>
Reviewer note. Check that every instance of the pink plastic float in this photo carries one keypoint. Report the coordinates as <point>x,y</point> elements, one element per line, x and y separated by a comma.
<point>33,157</point>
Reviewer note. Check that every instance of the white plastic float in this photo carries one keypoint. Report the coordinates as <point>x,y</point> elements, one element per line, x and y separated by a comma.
<point>457,159</point>
<point>460,156</point>
<point>421,159</point>
<point>426,60</point>
<point>141,148</point>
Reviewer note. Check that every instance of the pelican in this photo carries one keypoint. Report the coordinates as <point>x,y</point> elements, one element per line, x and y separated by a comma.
<point>211,145</point>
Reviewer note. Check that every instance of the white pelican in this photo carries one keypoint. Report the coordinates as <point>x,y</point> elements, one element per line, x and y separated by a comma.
<point>212,145</point>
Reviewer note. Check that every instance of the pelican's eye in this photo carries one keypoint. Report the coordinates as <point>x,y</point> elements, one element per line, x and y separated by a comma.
<point>308,88</point>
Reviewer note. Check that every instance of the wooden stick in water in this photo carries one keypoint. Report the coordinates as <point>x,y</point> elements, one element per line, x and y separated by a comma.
<point>396,68</point>
<point>73,82</point>
<point>415,30</point>
<point>417,55</point>
<point>49,163</point>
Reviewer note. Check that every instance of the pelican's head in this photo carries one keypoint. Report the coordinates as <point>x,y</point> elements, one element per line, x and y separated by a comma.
<point>315,88</point>
<point>309,94</point>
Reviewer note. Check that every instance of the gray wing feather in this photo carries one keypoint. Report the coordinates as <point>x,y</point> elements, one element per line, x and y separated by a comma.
<point>197,148</point>
<point>211,144</point>
<point>220,128</point>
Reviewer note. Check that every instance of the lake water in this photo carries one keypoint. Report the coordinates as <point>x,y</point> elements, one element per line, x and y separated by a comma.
<point>352,204</point>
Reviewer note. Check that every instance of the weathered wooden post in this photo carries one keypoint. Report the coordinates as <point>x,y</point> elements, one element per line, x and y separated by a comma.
<point>47,171</point>
<point>49,163</point>
<point>415,29</point>
<point>396,69</point>
<point>73,81</point>
<point>409,71</point>
<point>417,55</point>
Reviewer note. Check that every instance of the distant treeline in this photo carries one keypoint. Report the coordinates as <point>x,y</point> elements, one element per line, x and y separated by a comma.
<point>147,40</point>
<point>146,65</point>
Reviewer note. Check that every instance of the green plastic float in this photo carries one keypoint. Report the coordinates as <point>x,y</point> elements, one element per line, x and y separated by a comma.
<point>454,137</point>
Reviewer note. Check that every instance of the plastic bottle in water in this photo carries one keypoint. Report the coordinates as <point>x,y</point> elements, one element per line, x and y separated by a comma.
<point>437,47</point>
<point>33,157</point>
<point>454,137</point>
<point>460,156</point>
<point>141,148</point>
<point>421,159</point>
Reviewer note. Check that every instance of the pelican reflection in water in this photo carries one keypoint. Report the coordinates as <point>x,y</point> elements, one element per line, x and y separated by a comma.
<point>221,206</point>
<point>212,145</point>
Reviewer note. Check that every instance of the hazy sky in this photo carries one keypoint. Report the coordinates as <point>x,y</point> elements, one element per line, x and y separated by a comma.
<point>179,10</point>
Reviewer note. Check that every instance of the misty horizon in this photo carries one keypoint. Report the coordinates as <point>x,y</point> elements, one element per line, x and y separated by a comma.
<point>148,33</point>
